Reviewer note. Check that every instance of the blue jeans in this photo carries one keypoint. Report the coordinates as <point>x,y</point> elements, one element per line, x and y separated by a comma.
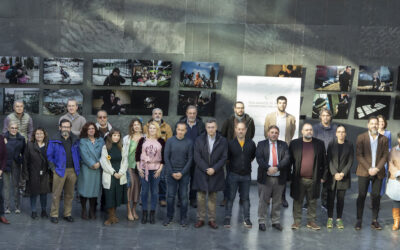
<point>152,185</point>
<point>242,183</point>
<point>173,187</point>
<point>162,186</point>
<point>43,202</point>
<point>1,196</point>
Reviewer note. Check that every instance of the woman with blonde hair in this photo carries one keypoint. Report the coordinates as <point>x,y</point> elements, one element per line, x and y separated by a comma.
<point>393,185</point>
<point>150,162</point>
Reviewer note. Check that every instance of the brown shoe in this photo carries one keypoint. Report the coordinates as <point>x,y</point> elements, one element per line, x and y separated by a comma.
<point>109,220</point>
<point>4,220</point>
<point>212,224</point>
<point>199,223</point>
<point>296,226</point>
<point>375,225</point>
<point>313,226</point>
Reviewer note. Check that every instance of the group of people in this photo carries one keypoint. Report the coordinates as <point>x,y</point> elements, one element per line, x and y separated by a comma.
<point>193,162</point>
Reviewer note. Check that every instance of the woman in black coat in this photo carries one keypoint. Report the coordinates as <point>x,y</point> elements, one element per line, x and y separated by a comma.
<point>340,159</point>
<point>35,171</point>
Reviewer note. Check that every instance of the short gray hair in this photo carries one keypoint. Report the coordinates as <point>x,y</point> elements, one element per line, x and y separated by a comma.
<point>18,101</point>
<point>191,107</point>
<point>157,109</point>
<point>13,123</point>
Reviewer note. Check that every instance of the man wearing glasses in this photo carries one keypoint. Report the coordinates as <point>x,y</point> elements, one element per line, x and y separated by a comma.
<point>63,156</point>
<point>102,123</point>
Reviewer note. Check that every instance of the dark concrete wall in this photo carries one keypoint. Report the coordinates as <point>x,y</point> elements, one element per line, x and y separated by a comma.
<point>242,35</point>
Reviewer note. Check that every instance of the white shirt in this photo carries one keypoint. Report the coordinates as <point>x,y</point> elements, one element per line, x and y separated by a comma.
<point>374,148</point>
<point>211,141</point>
<point>270,156</point>
<point>281,124</point>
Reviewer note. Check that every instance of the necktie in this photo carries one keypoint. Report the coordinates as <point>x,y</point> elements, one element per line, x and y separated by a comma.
<point>274,156</point>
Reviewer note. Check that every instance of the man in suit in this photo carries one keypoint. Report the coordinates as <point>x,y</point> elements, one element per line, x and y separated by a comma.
<point>309,159</point>
<point>372,150</point>
<point>273,165</point>
<point>287,126</point>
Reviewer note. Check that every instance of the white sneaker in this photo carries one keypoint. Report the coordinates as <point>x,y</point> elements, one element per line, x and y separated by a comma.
<point>17,211</point>
<point>7,211</point>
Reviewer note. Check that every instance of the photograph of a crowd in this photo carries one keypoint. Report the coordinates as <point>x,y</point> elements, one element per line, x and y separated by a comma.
<point>375,78</point>
<point>151,73</point>
<point>63,71</point>
<point>203,100</point>
<point>284,70</point>
<point>19,69</point>
<point>30,97</point>
<point>55,100</point>
<point>334,78</point>
<point>338,104</point>
<point>371,105</point>
<point>115,102</point>
<point>199,75</point>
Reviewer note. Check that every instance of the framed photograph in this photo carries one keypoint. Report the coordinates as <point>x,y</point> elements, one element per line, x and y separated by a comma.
<point>55,100</point>
<point>334,78</point>
<point>30,97</point>
<point>396,114</point>
<point>199,75</point>
<point>371,105</point>
<point>203,100</point>
<point>19,69</point>
<point>144,101</point>
<point>338,104</point>
<point>111,72</point>
<point>375,78</point>
<point>63,71</point>
<point>115,102</point>
<point>284,70</point>
<point>151,73</point>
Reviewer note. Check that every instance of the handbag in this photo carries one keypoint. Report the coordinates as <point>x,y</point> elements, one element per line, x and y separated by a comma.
<point>393,189</point>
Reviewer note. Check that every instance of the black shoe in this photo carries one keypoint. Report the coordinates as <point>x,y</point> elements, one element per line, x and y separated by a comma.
<point>277,226</point>
<point>193,203</point>
<point>166,221</point>
<point>184,222</point>
<point>305,206</point>
<point>54,220</point>
<point>69,219</point>
<point>152,217</point>
<point>375,225</point>
<point>285,203</point>
<point>247,223</point>
<point>178,204</point>
<point>262,227</point>
<point>44,214</point>
<point>144,217</point>
<point>227,222</point>
<point>358,225</point>
<point>34,215</point>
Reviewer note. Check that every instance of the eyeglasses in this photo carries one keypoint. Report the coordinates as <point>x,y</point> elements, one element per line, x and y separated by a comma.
<point>14,128</point>
<point>102,117</point>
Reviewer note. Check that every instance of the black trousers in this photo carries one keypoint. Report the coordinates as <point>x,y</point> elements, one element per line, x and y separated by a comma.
<point>376,185</point>
<point>339,195</point>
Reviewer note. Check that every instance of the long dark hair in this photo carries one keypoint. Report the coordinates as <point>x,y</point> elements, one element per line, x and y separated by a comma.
<point>45,139</point>
<point>84,131</point>
<point>131,132</point>
<point>109,141</point>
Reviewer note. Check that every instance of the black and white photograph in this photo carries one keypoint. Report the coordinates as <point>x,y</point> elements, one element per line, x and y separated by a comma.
<point>375,78</point>
<point>63,71</point>
<point>19,69</point>
<point>55,100</point>
<point>334,78</point>
<point>115,102</point>
<point>111,72</point>
<point>203,100</point>
<point>30,97</point>
<point>396,114</point>
<point>277,70</point>
<point>338,104</point>
<point>371,105</point>
<point>144,101</point>
<point>151,73</point>
<point>200,75</point>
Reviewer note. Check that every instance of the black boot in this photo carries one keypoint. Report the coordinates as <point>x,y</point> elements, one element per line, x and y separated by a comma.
<point>92,208</point>
<point>144,217</point>
<point>152,217</point>
<point>83,204</point>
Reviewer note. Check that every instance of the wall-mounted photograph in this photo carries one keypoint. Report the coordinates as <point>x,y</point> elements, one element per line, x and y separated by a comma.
<point>334,78</point>
<point>111,72</point>
<point>371,105</point>
<point>30,97</point>
<point>203,100</point>
<point>199,75</point>
<point>375,78</point>
<point>396,114</point>
<point>284,70</point>
<point>151,73</point>
<point>63,71</point>
<point>338,104</point>
<point>115,102</point>
<point>19,69</point>
<point>144,101</point>
<point>55,100</point>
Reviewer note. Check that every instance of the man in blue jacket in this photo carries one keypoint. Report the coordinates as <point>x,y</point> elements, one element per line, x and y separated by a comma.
<point>63,156</point>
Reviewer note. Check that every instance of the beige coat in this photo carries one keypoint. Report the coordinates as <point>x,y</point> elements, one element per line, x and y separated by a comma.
<point>394,163</point>
<point>290,125</point>
<point>108,170</point>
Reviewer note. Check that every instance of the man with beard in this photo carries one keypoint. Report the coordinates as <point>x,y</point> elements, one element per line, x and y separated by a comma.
<point>372,154</point>
<point>166,133</point>
<point>287,126</point>
<point>345,79</point>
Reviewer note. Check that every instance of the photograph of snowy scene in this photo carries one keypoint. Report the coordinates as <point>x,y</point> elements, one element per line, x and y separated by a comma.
<point>199,75</point>
<point>63,71</point>
<point>151,73</point>
<point>30,97</point>
<point>55,100</point>
<point>19,69</point>
<point>105,73</point>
